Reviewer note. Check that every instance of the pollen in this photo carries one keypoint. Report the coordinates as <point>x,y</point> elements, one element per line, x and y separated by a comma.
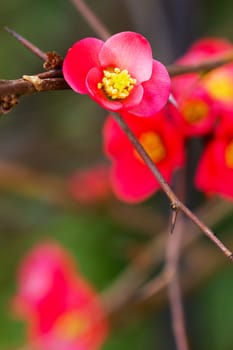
<point>219,84</point>
<point>153,145</point>
<point>116,84</point>
<point>194,111</point>
<point>229,155</point>
<point>70,325</point>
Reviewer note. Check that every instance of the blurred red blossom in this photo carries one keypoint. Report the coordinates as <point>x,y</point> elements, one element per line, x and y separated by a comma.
<point>218,83</point>
<point>119,74</point>
<point>61,309</point>
<point>197,114</point>
<point>215,170</point>
<point>131,179</point>
<point>202,97</point>
<point>90,185</point>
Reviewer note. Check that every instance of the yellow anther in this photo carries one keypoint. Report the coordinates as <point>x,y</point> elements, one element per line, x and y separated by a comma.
<point>194,111</point>
<point>70,325</point>
<point>219,84</point>
<point>229,155</point>
<point>116,84</point>
<point>153,145</point>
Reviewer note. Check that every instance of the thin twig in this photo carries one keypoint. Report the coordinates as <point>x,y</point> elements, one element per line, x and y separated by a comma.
<point>122,290</point>
<point>152,297</point>
<point>173,286</point>
<point>174,200</point>
<point>172,268</point>
<point>201,67</point>
<point>91,18</point>
<point>31,47</point>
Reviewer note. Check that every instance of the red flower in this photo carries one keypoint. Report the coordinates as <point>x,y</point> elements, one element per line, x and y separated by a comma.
<point>61,308</point>
<point>119,74</point>
<point>218,83</point>
<point>197,112</point>
<point>131,178</point>
<point>215,169</point>
<point>92,185</point>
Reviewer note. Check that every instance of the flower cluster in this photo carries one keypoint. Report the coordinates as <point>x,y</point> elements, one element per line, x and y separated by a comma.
<point>121,75</point>
<point>61,309</point>
<point>206,109</point>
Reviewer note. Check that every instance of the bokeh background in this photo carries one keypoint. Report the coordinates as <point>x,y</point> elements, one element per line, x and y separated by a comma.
<point>48,136</point>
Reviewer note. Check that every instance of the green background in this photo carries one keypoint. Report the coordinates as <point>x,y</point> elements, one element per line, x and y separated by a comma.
<point>60,132</point>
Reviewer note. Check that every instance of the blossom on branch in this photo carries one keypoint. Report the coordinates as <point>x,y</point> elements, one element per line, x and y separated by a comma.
<point>119,74</point>
<point>61,309</point>
<point>131,179</point>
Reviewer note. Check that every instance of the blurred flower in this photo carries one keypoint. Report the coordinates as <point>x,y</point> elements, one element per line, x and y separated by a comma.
<point>206,48</point>
<point>91,185</point>
<point>131,178</point>
<point>215,170</point>
<point>119,74</point>
<point>61,309</point>
<point>196,115</point>
<point>218,83</point>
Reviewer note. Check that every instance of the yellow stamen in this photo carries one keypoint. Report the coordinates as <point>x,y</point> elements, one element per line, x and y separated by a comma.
<point>70,325</point>
<point>219,84</point>
<point>154,146</point>
<point>194,111</point>
<point>116,84</point>
<point>229,155</point>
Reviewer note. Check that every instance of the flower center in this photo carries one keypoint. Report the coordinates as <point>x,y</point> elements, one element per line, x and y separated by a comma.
<point>116,84</point>
<point>194,111</point>
<point>153,145</point>
<point>219,85</point>
<point>229,155</point>
<point>70,325</point>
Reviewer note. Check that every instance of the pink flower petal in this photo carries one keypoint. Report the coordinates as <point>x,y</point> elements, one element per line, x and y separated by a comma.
<point>213,175</point>
<point>134,98</point>
<point>128,50</point>
<point>156,92</point>
<point>115,141</point>
<point>132,187</point>
<point>81,57</point>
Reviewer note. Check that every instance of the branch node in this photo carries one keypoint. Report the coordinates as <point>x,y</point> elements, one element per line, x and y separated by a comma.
<point>175,210</point>
<point>230,256</point>
<point>35,81</point>
<point>53,61</point>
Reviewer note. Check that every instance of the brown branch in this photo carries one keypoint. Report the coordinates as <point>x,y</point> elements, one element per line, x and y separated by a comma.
<point>53,79</point>
<point>174,200</point>
<point>23,87</point>
<point>173,286</point>
<point>91,18</point>
<point>172,267</point>
<point>201,67</point>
